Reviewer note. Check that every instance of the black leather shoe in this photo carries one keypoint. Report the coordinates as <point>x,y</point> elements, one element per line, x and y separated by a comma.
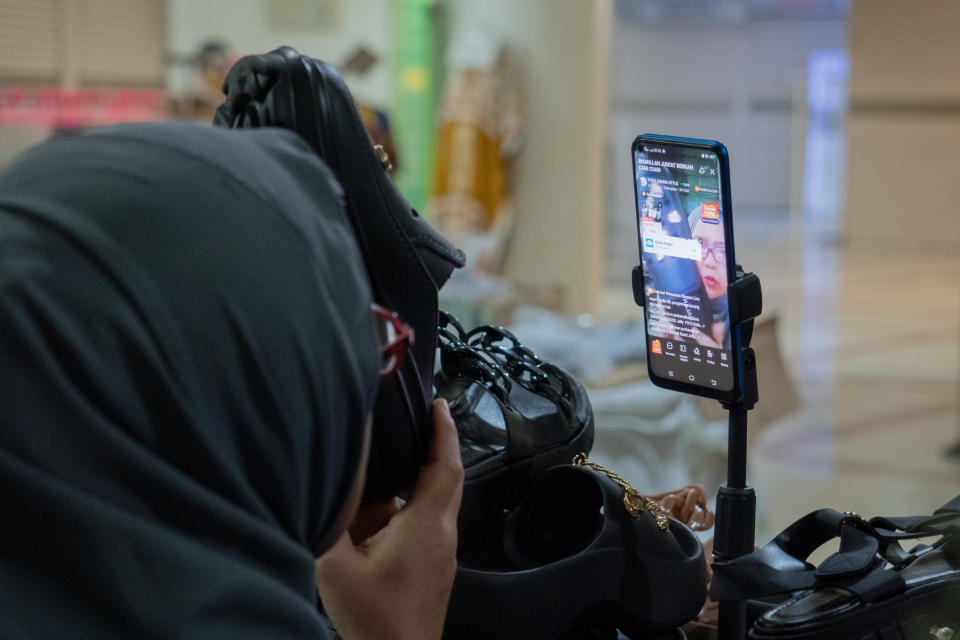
<point>407,261</point>
<point>517,416</point>
<point>574,558</point>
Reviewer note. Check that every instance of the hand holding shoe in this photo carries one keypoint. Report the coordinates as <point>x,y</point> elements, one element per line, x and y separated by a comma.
<point>396,584</point>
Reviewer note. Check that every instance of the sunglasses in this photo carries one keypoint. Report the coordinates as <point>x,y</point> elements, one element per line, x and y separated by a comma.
<point>395,337</point>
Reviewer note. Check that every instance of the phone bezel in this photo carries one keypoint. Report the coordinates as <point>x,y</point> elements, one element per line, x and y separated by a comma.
<point>723,160</point>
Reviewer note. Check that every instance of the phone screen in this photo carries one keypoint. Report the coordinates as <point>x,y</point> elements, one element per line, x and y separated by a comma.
<point>681,222</point>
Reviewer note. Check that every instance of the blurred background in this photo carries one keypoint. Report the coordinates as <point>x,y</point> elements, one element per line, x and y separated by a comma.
<point>509,125</point>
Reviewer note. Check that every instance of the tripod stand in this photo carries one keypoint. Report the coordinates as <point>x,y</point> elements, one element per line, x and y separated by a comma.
<point>736,501</point>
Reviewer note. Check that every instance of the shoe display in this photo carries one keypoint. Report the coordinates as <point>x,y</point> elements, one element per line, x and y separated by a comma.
<point>516,415</point>
<point>870,588</point>
<point>407,261</point>
<point>580,552</point>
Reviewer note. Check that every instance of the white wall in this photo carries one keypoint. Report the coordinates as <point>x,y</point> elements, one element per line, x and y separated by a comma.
<point>904,126</point>
<point>729,82</point>
<point>562,50</point>
<point>241,24</point>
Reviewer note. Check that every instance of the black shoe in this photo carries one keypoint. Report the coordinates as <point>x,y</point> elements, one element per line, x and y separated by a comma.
<point>407,261</point>
<point>517,416</point>
<point>870,588</point>
<point>574,559</point>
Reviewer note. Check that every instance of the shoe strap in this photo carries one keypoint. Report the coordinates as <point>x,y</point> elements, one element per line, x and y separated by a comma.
<point>945,521</point>
<point>460,361</point>
<point>486,336</point>
<point>523,365</point>
<point>865,548</point>
<point>781,565</point>
<point>502,351</point>
<point>878,584</point>
<point>633,501</point>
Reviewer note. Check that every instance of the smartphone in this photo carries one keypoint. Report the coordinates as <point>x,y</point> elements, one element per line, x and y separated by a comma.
<point>685,229</point>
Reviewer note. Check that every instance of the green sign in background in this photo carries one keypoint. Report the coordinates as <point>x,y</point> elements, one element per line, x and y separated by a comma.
<point>414,102</point>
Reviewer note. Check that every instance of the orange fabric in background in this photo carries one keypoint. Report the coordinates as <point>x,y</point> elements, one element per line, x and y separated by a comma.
<point>470,181</point>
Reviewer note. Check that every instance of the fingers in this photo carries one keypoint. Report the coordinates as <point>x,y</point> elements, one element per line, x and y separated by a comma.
<point>397,582</point>
<point>445,444</point>
<point>441,482</point>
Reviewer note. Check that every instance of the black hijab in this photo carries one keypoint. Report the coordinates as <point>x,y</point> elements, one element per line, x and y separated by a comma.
<point>188,362</point>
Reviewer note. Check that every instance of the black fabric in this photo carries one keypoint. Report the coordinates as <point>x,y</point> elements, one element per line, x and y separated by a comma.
<point>189,361</point>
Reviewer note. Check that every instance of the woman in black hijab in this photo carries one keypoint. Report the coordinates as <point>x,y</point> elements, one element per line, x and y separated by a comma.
<point>189,360</point>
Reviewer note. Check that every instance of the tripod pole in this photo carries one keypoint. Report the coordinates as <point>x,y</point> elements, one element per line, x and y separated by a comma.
<point>736,515</point>
<point>736,502</point>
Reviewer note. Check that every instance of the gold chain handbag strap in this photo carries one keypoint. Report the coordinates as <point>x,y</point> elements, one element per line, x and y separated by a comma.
<point>634,501</point>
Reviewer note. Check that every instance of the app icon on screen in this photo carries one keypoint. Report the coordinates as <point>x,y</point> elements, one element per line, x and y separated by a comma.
<point>710,212</point>
<point>655,347</point>
<point>649,243</point>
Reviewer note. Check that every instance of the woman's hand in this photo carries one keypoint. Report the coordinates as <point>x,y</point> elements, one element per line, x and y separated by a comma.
<point>396,584</point>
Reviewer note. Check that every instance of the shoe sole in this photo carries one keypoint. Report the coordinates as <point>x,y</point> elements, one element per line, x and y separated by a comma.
<point>909,616</point>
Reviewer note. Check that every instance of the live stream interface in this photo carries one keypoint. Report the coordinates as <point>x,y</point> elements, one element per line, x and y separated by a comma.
<point>683,251</point>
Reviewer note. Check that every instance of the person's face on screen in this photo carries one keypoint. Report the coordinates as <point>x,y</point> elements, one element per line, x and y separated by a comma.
<point>712,265</point>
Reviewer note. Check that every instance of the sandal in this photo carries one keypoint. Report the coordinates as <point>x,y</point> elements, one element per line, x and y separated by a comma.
<point>517,416</point>
<point>583,550</point>
<point>870,588</point>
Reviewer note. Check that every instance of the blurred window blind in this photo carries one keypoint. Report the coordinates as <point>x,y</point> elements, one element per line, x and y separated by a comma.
<point>904,51</point>
<point>903,124</point>
<point>120,42</point>
<point>84,43</point>
<point>31,36</point>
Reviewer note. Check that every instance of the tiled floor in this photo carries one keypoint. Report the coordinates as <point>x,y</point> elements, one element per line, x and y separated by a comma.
<point>871,339</point>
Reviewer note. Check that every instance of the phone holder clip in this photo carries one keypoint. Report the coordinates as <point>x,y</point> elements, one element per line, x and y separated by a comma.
<point>744,303</point>
<point>638,285</point>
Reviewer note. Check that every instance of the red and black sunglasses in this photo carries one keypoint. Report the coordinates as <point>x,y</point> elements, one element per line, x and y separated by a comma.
<point>395,336</point>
